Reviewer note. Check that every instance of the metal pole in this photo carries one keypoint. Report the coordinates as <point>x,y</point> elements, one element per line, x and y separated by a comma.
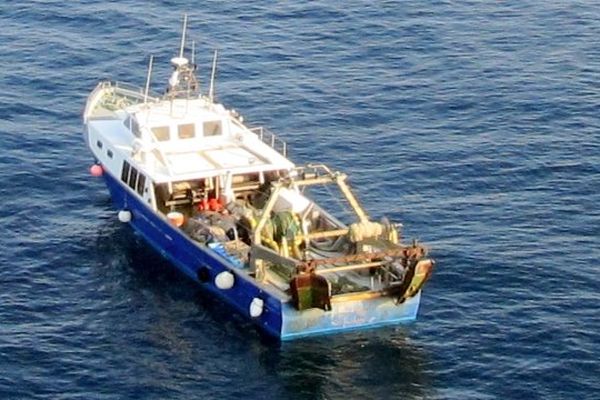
<point>183,35</point>
<point>148,79</point>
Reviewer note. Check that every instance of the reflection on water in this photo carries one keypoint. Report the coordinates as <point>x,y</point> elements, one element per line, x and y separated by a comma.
<point>370,364</point>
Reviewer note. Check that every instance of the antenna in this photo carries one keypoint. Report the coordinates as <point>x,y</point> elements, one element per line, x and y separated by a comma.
<point>211,90</point>
<point>183,35</point>
<point>148,79</point>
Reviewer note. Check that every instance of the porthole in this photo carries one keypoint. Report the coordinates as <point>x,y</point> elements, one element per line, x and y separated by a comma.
<point>203,274</point>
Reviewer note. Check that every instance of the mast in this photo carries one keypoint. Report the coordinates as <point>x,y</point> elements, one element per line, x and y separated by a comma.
<point>148,79</point>
<point>183,82</point>
<point>211,90</point>
<point>182,47</point>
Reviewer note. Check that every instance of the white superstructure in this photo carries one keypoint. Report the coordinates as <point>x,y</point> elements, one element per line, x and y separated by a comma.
<point>172,140</point>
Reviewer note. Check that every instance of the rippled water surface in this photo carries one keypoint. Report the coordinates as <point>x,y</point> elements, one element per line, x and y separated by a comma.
<point>475,123</point>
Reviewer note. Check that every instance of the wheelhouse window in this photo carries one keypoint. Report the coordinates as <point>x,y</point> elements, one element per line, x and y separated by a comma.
<point>125,171</point>
<point>161,133</point>
<point>135,128</point>
<point>132,124</point>
<point>133,178</point>
<point>186,131</point>
<point>141,183</point>
<point>133,175</point>
<point>212,128</point>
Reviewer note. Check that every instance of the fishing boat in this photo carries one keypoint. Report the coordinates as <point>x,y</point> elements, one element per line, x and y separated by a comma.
<point>223,203</point>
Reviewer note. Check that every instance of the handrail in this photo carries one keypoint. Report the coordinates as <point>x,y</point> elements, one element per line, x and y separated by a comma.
<point>127,90</point>
<point>133,91</point>
<point>268,137</point>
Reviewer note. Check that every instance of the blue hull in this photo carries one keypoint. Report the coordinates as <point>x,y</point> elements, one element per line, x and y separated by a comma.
<point>278,319</point>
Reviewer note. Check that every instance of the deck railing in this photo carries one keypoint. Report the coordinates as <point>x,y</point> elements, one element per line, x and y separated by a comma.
<point>271,139</point>
<point>132,91</point>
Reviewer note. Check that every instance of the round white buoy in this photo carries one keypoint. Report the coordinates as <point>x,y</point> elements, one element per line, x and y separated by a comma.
<point>224,280</point>
<point>124,216</point>
<point>96,170</point>
<point>256,307</point>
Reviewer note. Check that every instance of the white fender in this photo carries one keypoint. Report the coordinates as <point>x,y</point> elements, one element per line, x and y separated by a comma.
<point>124,216</point>
<point>256,307</point>
<point>224,280</point>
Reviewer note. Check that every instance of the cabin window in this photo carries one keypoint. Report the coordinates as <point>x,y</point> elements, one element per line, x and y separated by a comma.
<point>133,178</point>
<point>161,133</point>
<point>132,124</point>
<point>99,144</point>
<point>109,153</point>
<point>186,131</point>
<point>141,184</point>
<point>212,128</point>
<point>135,128</point>
<point>125,171</point>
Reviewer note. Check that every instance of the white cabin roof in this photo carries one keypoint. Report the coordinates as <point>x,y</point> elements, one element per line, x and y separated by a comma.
<point>183,139</point>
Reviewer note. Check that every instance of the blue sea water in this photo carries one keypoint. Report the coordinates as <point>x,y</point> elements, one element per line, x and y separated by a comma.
<point>475,123</point>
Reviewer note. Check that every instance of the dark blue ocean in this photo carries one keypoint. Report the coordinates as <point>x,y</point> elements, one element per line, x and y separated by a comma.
<point>475,123</point>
